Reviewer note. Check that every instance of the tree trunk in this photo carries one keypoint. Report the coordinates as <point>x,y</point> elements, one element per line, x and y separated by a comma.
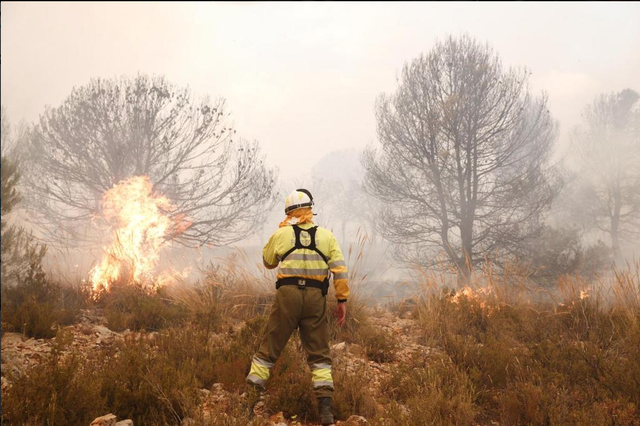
<point>465,264</point>
<point>615,242</point>
<point>615,225</point>
<point>464,274</point>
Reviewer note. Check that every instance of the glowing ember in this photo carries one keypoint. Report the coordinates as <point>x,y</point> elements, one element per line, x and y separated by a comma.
<point>470,294</point>
<point>479,296</point>
<point>141,223</point>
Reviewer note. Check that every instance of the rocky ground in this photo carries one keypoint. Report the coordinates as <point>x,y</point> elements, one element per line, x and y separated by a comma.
<point>20,353</point>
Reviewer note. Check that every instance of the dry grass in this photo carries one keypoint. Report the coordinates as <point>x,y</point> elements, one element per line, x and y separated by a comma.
<point>199,344</point>
<point>152,381</point>
<point>432,391</point>
<point>541,357</point>
<point>358,310</point>
<point>506,353</point>
<point>232,289</point>
<point>353,394</point>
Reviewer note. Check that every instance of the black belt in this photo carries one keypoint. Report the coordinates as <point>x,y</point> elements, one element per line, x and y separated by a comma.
<point>304,282</point>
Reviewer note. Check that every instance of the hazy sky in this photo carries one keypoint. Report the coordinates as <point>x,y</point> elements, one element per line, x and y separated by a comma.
<point>302,78</point>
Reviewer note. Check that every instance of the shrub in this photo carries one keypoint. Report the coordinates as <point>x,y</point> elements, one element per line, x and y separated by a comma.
<point>31,303</point>
<point>289,388</point>
<point>239,289</point>
<point>379,345</point>
<point>60,390</point>
<point>36,305</point>
<point>145,384</point>
<point>353,394</point>
<point>131,306</point>
<point>542,361</point>
<point>560,251</point>
<point>151,381</point>
<point>435,392</point>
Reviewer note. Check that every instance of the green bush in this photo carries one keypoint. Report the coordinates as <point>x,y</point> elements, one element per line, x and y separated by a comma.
<point>31,304</point>
<point>35,305</point>
<point>131,306</point>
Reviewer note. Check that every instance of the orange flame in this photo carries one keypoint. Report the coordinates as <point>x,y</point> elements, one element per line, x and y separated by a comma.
<point>141,222</point>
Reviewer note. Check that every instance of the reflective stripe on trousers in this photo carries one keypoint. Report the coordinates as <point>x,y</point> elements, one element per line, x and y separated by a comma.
<point>260,370</point>
<point>305,309</point>
<point>321,376</point>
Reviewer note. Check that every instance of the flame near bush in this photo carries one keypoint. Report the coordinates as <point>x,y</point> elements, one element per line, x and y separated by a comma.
<point>142,224</point>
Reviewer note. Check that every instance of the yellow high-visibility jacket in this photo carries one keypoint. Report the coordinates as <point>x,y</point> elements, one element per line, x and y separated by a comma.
<point>305,263</point>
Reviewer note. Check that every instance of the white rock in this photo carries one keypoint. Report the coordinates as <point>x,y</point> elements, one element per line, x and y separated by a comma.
<point>356,420</point>
<point>103,331</point>
<point>106,420</point>
<point>339,346</point>
<point>12,339</point>
<point>127,422</point>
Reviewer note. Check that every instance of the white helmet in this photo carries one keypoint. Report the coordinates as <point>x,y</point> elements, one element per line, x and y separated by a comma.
<point>298,199</point>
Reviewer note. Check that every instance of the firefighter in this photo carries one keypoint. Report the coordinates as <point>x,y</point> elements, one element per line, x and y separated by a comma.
<point>305,254</point>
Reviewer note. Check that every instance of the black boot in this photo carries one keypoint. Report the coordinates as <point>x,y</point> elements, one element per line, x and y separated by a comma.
<point>324,409</point>
<point>255,395</point>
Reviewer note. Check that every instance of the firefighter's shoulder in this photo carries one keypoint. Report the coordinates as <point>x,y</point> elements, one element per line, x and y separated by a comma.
<point>324,232</point>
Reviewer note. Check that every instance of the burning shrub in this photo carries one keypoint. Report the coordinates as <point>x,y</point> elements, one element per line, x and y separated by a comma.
<point>535,360</point>
<point>142,226</point>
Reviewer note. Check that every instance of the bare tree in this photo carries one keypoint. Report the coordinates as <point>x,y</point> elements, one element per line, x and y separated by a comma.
<point>12,138</point>
<point>5,131</point>
<point>608,179</point>
<point>109,130</point>
<point>21,258</point>
<point>463,165</point>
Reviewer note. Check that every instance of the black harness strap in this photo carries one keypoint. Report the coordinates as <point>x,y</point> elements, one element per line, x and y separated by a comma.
<point>298,244</point>
<point>304,282</point>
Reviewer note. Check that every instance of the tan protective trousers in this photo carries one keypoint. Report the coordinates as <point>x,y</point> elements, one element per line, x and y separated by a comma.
<point>305,308</point>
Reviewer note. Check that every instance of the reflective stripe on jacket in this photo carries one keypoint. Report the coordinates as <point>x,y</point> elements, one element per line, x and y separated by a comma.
<point>305,263</point>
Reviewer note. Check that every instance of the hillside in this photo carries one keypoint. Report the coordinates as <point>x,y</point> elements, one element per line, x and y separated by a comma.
<point>492,353</point>
<point>20,355</point>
